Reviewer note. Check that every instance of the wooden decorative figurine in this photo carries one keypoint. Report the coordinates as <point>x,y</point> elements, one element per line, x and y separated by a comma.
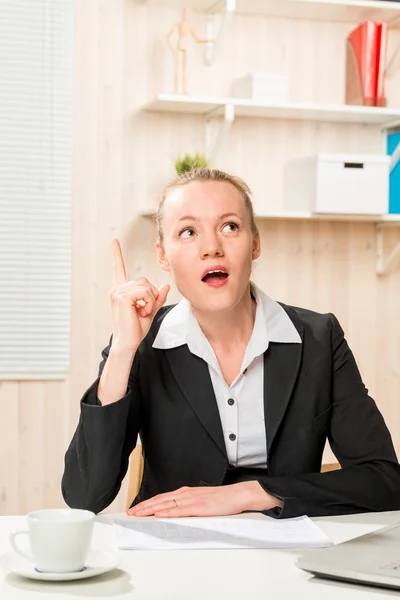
<point>179,50</point>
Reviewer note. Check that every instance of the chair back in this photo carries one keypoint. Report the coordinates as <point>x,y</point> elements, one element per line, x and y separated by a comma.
<point>330,467</point>
<point>135,474</point>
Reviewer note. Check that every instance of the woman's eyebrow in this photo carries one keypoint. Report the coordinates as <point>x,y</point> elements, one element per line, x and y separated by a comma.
<point>188,218</point>
<point>229,214</point>
<point>224,216</point>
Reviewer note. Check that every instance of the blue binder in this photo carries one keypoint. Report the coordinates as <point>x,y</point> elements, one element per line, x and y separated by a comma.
<point>393,139</point>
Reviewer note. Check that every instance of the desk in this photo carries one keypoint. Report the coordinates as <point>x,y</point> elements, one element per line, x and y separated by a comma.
<point>201,575</point>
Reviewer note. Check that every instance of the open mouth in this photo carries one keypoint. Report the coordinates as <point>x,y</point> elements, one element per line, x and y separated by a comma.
<point>215,277</point>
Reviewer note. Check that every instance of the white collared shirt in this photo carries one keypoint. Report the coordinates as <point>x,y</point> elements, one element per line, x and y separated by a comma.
<point>240,405</point>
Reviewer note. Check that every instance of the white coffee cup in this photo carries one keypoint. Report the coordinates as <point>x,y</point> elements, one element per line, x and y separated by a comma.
<point>59,539</point>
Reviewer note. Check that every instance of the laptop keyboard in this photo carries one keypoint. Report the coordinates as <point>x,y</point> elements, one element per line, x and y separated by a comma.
<point>391,568</point>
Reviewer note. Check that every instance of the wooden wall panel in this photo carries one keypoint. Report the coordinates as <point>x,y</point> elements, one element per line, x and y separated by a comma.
<point>32,424</point>
<point>10,448</point>
<point>56,436</point>
<point>123,158</point>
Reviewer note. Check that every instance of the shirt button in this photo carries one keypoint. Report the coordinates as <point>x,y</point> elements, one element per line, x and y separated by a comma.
<point>231,401</point>
<point>232,437</point>
<point>244,372</point>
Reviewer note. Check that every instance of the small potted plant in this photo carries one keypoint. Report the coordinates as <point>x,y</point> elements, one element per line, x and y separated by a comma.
<point>189,162</point>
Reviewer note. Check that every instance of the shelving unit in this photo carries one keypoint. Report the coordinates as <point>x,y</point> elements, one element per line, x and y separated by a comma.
<point>352,11</point>
<point>220,113</point>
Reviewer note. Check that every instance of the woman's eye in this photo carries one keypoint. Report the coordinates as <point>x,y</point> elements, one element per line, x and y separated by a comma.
<point>188,232</point>
<point>231,226</point>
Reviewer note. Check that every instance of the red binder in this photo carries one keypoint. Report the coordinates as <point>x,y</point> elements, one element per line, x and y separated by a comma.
<point>365,64</point>
<point>381,67</point>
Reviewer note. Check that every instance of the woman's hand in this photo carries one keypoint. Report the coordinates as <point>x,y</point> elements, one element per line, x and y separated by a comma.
<point>207,501</point>
<point>134,305</point>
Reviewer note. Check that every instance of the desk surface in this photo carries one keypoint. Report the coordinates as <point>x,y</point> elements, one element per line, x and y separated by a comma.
<point>201,575</point>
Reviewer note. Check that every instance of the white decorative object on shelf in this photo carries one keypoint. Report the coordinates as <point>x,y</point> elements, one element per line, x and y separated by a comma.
<point>338,183</point>
<point>264,87</point>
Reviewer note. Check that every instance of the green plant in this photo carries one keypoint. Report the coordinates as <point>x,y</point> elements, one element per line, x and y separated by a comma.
<point>188,163</point>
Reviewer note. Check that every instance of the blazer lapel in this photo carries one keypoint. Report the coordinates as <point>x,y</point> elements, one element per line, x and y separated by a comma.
<point>193,377</point>
<point>281,366</point>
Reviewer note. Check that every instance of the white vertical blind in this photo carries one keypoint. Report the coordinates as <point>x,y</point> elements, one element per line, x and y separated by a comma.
<point>36,60</point>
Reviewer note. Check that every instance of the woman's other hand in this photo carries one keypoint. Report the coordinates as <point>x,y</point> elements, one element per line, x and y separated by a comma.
<point>207,501</point>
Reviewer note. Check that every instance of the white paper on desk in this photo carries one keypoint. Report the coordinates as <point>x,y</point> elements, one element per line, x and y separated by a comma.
<point>192,533</point>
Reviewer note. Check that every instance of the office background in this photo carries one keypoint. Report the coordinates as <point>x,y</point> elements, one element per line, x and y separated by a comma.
<point>123,156</point>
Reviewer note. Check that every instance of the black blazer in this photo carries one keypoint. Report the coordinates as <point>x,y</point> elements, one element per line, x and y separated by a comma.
<point>312,391</point>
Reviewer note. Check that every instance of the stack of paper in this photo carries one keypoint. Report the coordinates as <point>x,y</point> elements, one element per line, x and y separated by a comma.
<point>217,533</point>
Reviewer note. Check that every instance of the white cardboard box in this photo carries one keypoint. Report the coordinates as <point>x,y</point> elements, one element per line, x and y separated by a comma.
<point>338,183</point>
<point>265,87</point>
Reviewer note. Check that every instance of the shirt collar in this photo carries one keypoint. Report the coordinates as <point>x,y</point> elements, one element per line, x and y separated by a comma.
<point>272,324</point>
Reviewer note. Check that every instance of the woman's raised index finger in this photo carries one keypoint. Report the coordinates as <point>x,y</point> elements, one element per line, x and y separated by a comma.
<point>118,264</point>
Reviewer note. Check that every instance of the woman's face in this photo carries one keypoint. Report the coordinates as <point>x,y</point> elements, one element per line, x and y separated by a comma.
<point>208,244</point>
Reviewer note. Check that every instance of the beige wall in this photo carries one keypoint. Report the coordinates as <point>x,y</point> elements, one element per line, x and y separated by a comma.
<point>123,157</point>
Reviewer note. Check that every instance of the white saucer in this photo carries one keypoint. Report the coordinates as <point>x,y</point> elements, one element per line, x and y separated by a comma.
<point>98,562</point>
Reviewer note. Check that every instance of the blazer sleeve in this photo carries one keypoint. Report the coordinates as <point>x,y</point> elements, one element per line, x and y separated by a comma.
<point>370,476</point>
<point>98,456</point>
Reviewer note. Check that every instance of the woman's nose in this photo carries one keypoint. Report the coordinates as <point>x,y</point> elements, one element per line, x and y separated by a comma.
<point>211,247</point>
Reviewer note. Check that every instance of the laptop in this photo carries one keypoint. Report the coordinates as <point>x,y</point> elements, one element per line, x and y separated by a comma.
<point>372,559</point>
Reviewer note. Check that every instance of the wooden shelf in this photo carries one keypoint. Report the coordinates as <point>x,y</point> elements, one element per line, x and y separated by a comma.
<point>291,110</point>
<point>378,219</point>
<point>352,12</point>
<point>381,219</point>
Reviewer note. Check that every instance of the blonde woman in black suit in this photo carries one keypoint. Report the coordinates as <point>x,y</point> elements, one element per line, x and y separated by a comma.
<point>233,394</point>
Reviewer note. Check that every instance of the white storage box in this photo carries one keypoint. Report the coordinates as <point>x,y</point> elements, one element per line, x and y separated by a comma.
<point>264,87</point>
<point>338,183</point>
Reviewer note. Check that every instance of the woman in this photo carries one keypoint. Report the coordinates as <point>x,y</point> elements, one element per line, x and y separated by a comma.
<point>232,393</point>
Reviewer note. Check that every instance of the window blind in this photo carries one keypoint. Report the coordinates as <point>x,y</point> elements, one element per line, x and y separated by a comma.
<point>36,64</point>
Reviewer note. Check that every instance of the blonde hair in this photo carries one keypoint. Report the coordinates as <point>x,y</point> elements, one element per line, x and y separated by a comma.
<point>206,175</point>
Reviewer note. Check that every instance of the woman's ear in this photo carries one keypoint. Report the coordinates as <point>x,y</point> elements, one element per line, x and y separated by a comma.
<point>256,245</point>
<point>161,258</point>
